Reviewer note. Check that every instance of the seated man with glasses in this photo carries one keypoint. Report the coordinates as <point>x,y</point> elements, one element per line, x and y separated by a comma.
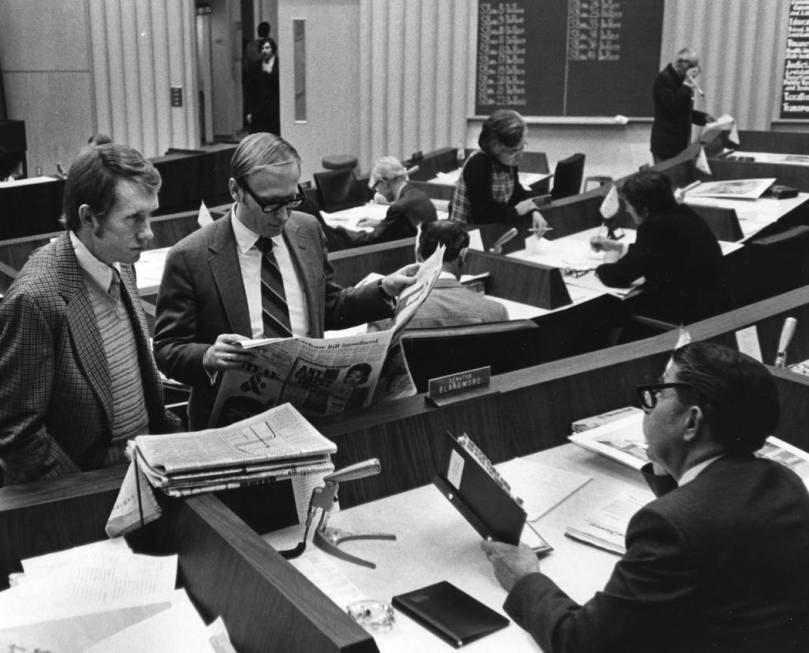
<point>262,271</point>
<point>718,562</point>
<point>409,206</point>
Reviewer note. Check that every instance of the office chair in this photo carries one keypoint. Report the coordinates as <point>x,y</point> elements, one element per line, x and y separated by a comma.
<point>505,346</point>
<point>339,189</point>
<point>567,176</point>
<point>534,162</point>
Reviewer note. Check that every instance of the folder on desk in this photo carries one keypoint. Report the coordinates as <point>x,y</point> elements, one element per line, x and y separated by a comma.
<point>473,485</point>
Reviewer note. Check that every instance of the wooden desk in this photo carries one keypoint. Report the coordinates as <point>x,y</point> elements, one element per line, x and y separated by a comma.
<point>771,141</point>
<point>224,565</point>
<point>526,282</point>
<point>435,543</point>
<point>532,409</point>
<point>229,570</point>
<point>30,206</point>
<point>753,215</point>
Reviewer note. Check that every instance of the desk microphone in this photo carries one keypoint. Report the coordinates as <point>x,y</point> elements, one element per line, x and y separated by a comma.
<point>497,247</point>
<point>787,332</point>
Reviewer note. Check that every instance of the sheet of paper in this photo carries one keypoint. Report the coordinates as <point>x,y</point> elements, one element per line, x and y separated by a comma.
<point>177,629</point>
<point>747,342</point>
<point>526,478</point>
<point>219,637</point>
<point>606,527</point>
<point>89,584</point>
<point>75,634</point>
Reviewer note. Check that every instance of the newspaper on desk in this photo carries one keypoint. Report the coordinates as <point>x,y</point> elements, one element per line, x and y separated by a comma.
<point>278,443</point>
<point>326,376</point>
<point>622,440</point>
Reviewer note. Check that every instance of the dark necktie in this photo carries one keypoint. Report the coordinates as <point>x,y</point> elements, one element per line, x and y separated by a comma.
<point>274,309</point>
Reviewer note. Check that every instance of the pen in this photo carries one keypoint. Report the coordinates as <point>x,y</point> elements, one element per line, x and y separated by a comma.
<point>534,230</point>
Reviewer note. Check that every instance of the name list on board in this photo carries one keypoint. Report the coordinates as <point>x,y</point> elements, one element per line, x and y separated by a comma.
<point>594,30</point>
<point>568,57</point>
<point>501,54</point>
<point>795,93</point>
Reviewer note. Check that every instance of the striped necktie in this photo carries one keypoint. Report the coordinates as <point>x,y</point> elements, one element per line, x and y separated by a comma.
<point>274,309</point>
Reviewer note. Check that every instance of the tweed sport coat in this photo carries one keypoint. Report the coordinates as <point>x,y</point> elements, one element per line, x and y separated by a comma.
<point>55,398</point>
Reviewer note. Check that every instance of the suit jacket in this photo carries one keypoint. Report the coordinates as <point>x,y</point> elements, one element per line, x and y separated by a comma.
<point>411,209</point>
<point>202,296</point>
<point>681,260</point>
<point>716,565</point>
<point>674,114</point>
<point>55,399</point>
<point>450,304</point>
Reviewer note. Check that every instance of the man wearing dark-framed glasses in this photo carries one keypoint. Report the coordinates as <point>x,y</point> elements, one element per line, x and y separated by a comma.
<point>262,271</point>
<point>718,561</point>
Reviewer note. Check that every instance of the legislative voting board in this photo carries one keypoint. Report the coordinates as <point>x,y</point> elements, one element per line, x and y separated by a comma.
<point>795,86</point>
<point>568,57</point>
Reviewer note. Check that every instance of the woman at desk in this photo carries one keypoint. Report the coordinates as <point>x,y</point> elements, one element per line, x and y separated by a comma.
<point>675,252</point>
<point>488,189</point>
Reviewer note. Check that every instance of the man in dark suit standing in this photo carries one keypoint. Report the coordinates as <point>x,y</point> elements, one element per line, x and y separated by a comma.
<point>77,375</point>
<point>262,271</point>
<point>673,95</point>
<point>718,561</point>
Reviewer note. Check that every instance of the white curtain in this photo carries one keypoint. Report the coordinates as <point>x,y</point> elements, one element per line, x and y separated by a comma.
<point>741,44</point>
<point>417,62</point>
<point>141,48</point>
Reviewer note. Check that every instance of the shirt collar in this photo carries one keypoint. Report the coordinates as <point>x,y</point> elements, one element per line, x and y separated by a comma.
<point>96,269</point>
<point>245,237</point>
<point>692,472</point>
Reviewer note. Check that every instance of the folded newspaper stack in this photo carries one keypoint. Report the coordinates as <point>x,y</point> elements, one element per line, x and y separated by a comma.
<point>277,443</point>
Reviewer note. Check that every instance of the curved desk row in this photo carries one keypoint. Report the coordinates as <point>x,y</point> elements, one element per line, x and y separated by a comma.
<point>267,605</point>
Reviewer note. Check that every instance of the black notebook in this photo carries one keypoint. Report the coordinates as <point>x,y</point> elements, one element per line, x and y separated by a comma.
<point>450,613</point>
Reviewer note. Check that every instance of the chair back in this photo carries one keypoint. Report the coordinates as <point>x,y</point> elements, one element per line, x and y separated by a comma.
<point>534,162</point>
<point>567,176</point>
<point>339,189</point>
<point>505,346</point>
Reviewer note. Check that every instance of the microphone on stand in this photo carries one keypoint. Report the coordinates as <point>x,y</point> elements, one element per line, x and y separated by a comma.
<point>787,331</point>
<point>497,247</point>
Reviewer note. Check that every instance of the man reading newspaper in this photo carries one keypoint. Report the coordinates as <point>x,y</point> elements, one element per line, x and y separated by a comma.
<point>326,376</point>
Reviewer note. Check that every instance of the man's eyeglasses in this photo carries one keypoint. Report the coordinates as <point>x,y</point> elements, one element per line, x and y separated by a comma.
<point>273,204</point>
<point>649,392</point>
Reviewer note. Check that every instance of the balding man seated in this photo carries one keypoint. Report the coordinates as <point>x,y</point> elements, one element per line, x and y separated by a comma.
<point>409,207</point>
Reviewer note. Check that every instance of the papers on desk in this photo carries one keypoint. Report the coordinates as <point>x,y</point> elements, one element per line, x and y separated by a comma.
<point>770,157</point>
<point>606,527</point>
<point>737,189</point>
<point>526,477</point>
<point>14,183</point>
<point>450,178</point>
<point>350,218</point>
<point>101,597</point>
<point>622,440</point>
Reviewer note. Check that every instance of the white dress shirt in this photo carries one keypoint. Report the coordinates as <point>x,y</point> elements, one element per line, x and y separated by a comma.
<point>250,264</point>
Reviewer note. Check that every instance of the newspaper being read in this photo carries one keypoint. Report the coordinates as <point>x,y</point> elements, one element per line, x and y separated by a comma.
<point>326,377</point>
